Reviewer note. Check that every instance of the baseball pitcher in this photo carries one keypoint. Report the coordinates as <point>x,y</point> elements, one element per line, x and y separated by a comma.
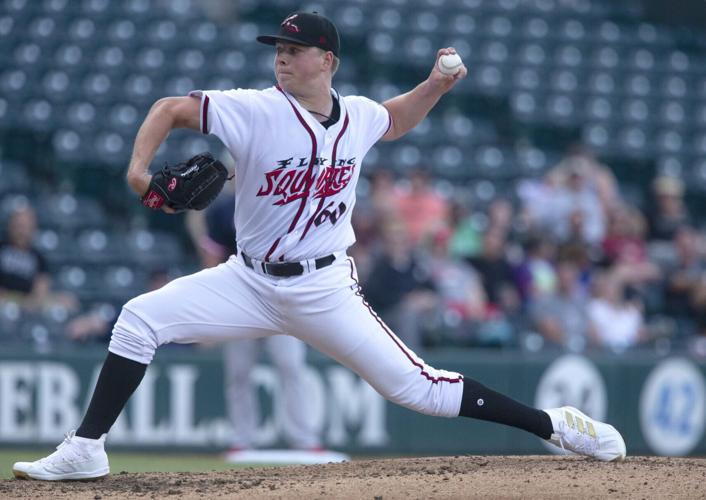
<point>299,148</point>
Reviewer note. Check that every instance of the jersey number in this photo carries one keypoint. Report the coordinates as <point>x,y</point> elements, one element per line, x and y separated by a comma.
<point>330,215</point>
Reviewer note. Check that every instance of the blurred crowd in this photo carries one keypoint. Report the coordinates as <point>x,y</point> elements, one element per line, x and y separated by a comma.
<point>563,262</point>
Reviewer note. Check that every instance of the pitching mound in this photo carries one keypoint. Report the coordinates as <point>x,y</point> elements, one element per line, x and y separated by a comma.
<point>408,478</point>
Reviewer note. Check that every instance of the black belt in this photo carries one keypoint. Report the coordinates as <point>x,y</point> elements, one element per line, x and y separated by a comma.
<point>287,269</point>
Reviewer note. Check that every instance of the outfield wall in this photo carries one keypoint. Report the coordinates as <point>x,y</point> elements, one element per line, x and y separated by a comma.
<point>658,404</point>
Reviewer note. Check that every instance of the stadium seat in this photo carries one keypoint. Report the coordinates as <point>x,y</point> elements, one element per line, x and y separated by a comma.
<point>638,85</point>
<point>113,148</point>
<point>564,80</point>
<point>11,316</point>
<point>153,249</point>
<point>64,211</point>
<point>464,24</point>
<point>668,141</point>
<point>57,246</point>
<point>636,111</point>
<point>350,19</point>
<point>532,54</point>
<point>98,87</point>
<point>15,177</point>
<point>602,83</point>
<point>123,282</point>
<point>605,57</point>
<point>634,141</point>
<point>69,146</point>
<point>672,113</point>
<point>123,32</point>
<point>38,114</point>
<point>674,87</point>
<point>82,30</point>
<point>527,79</point>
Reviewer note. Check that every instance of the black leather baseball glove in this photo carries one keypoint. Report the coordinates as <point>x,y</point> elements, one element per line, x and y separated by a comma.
<point>190,185</point>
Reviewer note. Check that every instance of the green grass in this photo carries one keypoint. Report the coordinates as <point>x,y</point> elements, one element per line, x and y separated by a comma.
<point>130,462</point>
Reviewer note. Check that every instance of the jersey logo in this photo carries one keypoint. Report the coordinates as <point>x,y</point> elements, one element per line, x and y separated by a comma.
<point>288,183</point>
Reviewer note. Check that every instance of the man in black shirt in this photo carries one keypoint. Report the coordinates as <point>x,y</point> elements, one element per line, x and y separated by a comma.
<point>23,270</point>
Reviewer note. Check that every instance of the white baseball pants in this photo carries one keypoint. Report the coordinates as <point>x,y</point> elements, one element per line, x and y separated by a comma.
<point>324,308</point>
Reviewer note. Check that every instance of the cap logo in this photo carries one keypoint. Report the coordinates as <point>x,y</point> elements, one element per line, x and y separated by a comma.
<point>289,25</point>
<point>322,39</point>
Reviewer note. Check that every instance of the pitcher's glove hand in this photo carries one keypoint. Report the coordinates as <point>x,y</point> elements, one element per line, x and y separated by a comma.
<point>190,185</point>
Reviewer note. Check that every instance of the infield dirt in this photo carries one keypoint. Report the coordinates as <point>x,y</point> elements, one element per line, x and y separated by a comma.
<point>404,478</point>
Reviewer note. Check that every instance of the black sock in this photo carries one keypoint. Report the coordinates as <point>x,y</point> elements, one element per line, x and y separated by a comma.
<point>485,404</point>
<point>117,381</point>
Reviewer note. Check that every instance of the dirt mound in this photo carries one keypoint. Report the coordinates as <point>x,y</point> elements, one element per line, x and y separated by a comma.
<point>405,478</point>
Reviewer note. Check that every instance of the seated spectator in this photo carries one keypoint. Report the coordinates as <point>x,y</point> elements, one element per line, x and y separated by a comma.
<point>565,207</point>
<point>599,177</point>
<point>667,212</point>
<point>367,239</point>
<point>420,207</point>
<point>399,287</point>
<point>685,283</point>
<point>24,276</point>
<point>616,323</point>
<point>562,317</point>
<point>500,216</point>
<point>497,273</point>
<point>625,248</point>
<point>535,276</point>
<point>465,239</point>
<point>572,200</point>
<point>382,192</point>
<point>458,284</point>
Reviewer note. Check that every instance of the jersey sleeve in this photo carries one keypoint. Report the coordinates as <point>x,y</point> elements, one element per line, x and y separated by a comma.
<point>227,114</point>
<point>376,118</point>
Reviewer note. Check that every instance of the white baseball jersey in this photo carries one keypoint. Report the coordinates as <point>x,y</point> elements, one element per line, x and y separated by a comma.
<point>295,188</point>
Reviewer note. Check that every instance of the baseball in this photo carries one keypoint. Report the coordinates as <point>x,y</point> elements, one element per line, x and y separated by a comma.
<point>449,64</point>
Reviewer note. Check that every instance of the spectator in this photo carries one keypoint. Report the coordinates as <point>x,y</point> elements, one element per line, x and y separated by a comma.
<point>24,275</point>
<point>421,208</point>
<point>668,212</point>
<point>563,205</point>
<point>562,318</point>
<point>400,287</point>
<point>496,272</point>
<point>535,276</point>
<point>367,238</point>
<point>575,205</point>
<point>599,178</point>
<point>500,216</point>
<point>686,281</point>
<point>625,248</point>
<point>459,285</point>
<point>465,239</point>
<point>616,323</point>
<point>382,192</point>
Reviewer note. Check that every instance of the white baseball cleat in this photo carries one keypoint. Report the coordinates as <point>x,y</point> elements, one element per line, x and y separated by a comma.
<point>75,458</point>
<point>579,433</point>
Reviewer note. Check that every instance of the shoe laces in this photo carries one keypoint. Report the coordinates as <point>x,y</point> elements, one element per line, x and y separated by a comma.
<point>68,451</point>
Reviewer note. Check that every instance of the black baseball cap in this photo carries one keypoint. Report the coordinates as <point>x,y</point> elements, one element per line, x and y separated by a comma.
<point>306,28</point>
